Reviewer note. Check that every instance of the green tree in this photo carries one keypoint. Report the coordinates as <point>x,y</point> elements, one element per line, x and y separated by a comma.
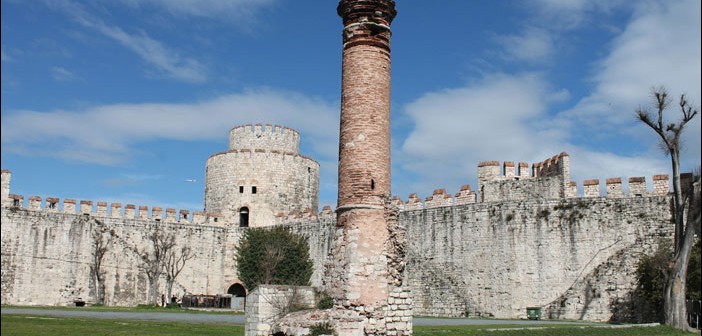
<point>683,204</point>
<point>273,256</point>
<point>693,272</point>
<point>651,274</point>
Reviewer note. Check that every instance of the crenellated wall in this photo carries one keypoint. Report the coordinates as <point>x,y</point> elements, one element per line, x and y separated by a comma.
<point>547,179</point>
<point>572,256</point>
<point>525,189</point>
<point>267,137</point>
<point>47,257</point>
<point>68,206</point>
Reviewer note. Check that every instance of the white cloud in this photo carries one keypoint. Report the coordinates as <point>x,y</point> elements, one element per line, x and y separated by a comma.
<point>488,120</point>
<point>62,74</point>
<point>506,117</point>
<point>222,9</point>
<point>534,45</point>
<point>659,47</point>
<point>570,14</point>
<point>105,134</point>
<point>167,61</point>
<point>115,134</point>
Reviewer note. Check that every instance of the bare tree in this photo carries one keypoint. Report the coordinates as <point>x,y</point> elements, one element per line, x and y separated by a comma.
<point>174,264</point>
<point>674,292</point>
<point>154,258</point>
<point>100,246</point>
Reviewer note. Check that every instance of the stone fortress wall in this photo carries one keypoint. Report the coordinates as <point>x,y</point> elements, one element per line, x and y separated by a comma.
<point>261,176</point>
<point>574,256</point>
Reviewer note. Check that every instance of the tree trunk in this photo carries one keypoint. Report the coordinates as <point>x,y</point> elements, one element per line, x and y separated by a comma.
<point>169,290</point>
<point>678,204</point>
<point>153,289</point>
<point>99,290</point>
<point>674,292</point>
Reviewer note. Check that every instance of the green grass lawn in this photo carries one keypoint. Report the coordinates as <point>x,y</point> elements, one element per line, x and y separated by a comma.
<point>545,330</point>
<point>62,326</point>
<point>140,308</point>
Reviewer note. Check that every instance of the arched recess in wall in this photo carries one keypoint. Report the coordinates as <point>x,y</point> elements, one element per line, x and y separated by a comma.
<point>237,290</point>
<point>244,217</point>
<point>238,293</point>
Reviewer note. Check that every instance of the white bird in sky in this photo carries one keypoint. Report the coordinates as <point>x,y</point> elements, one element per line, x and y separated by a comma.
<point>191,180</point>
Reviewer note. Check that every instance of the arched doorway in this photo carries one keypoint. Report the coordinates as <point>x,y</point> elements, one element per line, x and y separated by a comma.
<point>244,217</point>
<point>238,293</point>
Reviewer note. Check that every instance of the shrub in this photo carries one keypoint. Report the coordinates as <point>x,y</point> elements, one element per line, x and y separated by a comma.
<point>322,329</point>
<point>273,256</point>
<point>693,273</point>
<point>325,302</point>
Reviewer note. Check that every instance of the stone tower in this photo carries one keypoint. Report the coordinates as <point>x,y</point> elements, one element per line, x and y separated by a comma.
<point>359,277</point>
<point>261,176</point>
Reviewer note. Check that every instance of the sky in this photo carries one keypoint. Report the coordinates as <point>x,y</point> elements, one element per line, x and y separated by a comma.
<point>124,100</point>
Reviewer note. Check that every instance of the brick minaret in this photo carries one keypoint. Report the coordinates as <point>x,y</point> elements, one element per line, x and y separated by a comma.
<point>359,276</point>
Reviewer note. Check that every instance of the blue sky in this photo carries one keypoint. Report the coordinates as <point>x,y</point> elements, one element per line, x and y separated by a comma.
<point>123,101</point>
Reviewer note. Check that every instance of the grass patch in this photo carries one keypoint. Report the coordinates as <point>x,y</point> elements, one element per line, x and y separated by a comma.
<point>20,324</point>
<point>546,330</point>
<point>62,326</point>
<point>137,309</point>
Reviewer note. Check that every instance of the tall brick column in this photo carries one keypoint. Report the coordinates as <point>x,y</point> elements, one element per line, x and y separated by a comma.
<point>359,276</point>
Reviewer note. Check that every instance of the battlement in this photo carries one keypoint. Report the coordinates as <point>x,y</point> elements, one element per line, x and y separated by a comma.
<point>591,188</point>
<point>514,182</point>
<point>613,187</point>
<point>273,153</point>
<point>554,166</point>
<point>264,137</point>
<point>52,204</point>
<point>304,216</point>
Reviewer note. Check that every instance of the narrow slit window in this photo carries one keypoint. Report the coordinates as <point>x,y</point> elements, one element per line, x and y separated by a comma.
<point>241,189</point>
<point>253,190</point>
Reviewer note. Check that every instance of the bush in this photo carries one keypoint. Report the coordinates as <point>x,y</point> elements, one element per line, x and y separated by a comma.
<point>322,329</point>
<point>325,302</point>
<point>693,273</point>
<point>651,275</point>
<point>273,256</point>
<point>647,298</point>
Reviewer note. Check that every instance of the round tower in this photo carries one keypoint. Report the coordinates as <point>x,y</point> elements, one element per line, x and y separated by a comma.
<point>261,176</point>
<point>359,276</point>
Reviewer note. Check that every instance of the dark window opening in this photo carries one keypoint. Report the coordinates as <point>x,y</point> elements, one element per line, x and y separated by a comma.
<point>372,184</point>
<point>253,190</point>
<point>52,205</point>
<point>241,189</point>
<point>16,203</point>
<point>244,217</point>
